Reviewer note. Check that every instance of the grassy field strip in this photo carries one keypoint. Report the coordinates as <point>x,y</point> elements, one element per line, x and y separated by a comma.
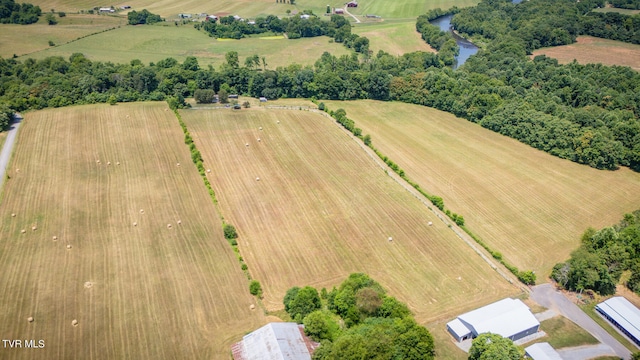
<point>592,50</point>
<point>143,291</point>
<point>396,38</point>
<point>532,214</point>
<point>154,43</point>
<point>322,209</point>
<point>406,9</point>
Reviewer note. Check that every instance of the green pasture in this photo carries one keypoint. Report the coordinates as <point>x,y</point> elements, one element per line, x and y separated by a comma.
<point>394,37</point>
<point>154,43</point>
<point>407,8</point>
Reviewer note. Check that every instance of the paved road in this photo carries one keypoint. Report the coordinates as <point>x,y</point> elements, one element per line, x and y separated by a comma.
<point>585,352</point>
<point>5,155</point>
<point>547,296</point>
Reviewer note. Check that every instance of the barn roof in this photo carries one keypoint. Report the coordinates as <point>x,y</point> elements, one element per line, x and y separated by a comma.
<point>506,317</point>
<point>542,351</point>
<point>275,341</point>
<point>622,312</point>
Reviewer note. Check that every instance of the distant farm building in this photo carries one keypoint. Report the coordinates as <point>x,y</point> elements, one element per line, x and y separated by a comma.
<point>212,18</point>
<point>542,351</point>
<point>305,16</point>
<point>263,99</point>
<point>509,318</point>
<point>251,22</point>
<point>275,341</point>
<point>352,4</point>
<point>185,16</point>
<point>106,10</point>
<point>624,315</point>
<point>338,11</point>
<point>125,7</point>
<point>237,17</point>
<point>233,96</point>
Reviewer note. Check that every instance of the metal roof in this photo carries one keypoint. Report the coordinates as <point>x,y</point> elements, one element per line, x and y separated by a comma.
<point>275,341</point>
<point>542,351</point>
<point>506,317</point>
<point>624,313</point>
<point>459,328</point>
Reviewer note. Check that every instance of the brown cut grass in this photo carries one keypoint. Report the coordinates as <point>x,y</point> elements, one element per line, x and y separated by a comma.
<point>26,39</point>
<point>530,206</point>
<point>155,293</point>
<point>323,209</point>
<point>592,50</point>
<point>396,38</point>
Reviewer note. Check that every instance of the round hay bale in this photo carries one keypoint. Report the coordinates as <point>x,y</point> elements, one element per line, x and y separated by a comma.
<point>258,139</point>
<point>252,307</point>
<point>68,246</point>
<point>430,223</point>
<point>179,222</point>
<point>247,144</point>
<point>98,161</point>
<point>74,322</point>
<point>257,179</point>
<point>260,128</point>
<point>178,164</point>
<point>55,238</point>
<point>108,162</point>
<point>208,170</point>
<point>23,231</point>
<point>278,121</point>
<point>118,163</point>
<point>88,284</point>
<point>459,278</point>
<point>30,319</point>
<point>135,223</point>
<point>13,215</point>
<point>390,238</point>
<point>141,211</point>
<point>168,226</point>
<point>34,228</point>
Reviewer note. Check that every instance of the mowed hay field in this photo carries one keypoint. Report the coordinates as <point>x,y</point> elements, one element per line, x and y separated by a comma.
<point>592,50</point>
<point>530,206</point>
<point>25,39</point>
<point>139,292</point>
<point>396,38</point>
<point>323,209</point>
<point>406,8</point>
<point>154,43</point>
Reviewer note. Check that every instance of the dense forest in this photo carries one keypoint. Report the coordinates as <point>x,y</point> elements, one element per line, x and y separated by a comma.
<point>602,258</point>
<point>358,320</point>
<point>442,41</point>
<point>14,13</point>
<point>584,113</point>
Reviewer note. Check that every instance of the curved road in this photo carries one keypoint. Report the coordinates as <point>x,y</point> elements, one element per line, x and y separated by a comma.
<point>547,296</point>
<point>5,155</point>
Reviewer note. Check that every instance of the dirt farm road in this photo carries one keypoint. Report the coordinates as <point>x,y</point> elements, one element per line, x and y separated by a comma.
<point>5,155</point>
<point>547,296</point>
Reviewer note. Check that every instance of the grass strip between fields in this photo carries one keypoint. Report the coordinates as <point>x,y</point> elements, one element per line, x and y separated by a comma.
<point>527,277</point>
<point>254,285</point>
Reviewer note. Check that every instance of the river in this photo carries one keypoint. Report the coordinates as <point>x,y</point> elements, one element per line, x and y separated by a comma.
<point>466,47</point>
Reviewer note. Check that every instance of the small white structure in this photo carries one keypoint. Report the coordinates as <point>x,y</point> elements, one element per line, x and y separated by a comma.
<point>263,99</point>
<point>106,10</point>
<point>305,16</point>
<point>542,351</point>
<point>185,16</point>
<point>237,18</point>
<point>509,318</point>
<point>624,315</point>
<point>277,341</point>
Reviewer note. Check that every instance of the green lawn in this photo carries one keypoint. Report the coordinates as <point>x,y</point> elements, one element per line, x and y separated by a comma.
<point>407,8</point>
<point>153,43</point>
<point>394,37</point>
<point>562,332</point>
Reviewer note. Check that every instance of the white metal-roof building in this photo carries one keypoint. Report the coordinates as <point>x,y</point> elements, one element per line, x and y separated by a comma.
<point>509,318</point>
<point>275,341</point>
<point>542,351</point>
<point>623,314</point>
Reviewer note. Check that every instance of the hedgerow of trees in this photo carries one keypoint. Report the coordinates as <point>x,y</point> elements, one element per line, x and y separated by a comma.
<point>143,17</point>
<point>602,258</point>
<point>14,13</point>
<point>358,320</point>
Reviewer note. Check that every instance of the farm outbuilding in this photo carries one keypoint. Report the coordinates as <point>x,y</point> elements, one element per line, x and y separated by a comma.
<point>263,99</point>
<point>509,318</point>
<point>275,341</point>
<point>352,4</point>
<point>623,314</point>
<point>542,351</point>
<point>338,11</point>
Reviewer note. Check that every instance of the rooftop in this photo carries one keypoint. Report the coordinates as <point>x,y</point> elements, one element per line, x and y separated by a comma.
<point>624,313</point>
<point>506,317</point>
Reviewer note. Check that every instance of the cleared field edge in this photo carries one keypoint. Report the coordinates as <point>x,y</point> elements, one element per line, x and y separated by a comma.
<point>543,215</point>
<point>204,127</point>
<point>142,290</point>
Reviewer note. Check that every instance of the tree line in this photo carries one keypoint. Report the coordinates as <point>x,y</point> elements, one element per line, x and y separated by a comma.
<point>14,13</point>
<point>603,256</point>
<point>442,41</point>
<point>358,320</point>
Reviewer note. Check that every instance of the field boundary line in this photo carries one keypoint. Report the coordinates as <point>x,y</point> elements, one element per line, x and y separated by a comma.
<point>7,150</point>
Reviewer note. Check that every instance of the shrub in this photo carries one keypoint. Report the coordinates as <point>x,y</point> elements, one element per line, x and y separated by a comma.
<point>255,288</point>
<point>244,267</point>
<point>230,232</point>
<point>204,96</point>
<point>321,106</point>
